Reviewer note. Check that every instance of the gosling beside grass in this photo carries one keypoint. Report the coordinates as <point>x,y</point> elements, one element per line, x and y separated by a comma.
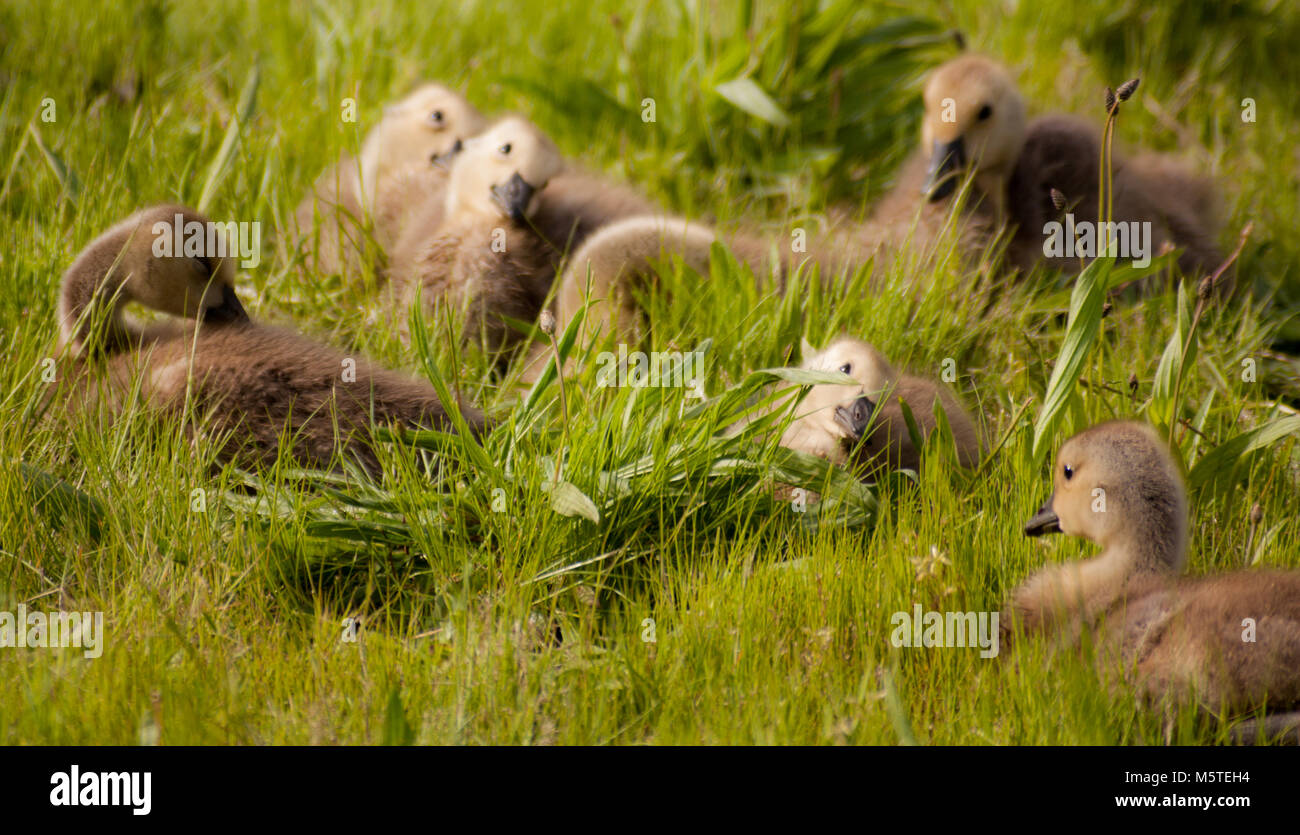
<point>1176,638</point>
<point>250,385</point>
<point>975,121</point>
<point>864,425</point>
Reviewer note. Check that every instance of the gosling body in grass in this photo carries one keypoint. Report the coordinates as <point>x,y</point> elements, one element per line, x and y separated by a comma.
<point>864,424</point>
<point>975,120</point>
<point>485,257</point>
<point>620,260</point>
<point>248,383</point>
<point>1177,637</point>
<point>358,207</point>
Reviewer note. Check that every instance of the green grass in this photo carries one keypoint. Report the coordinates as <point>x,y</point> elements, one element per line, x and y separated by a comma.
<point>226,626</point>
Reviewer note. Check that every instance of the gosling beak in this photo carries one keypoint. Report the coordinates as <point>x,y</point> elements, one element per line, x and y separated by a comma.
<point>855,416</point>
<point>444,160</point>
<point>1044,521</point>
<point>230,310</point>
<point>514,197</point>
<point>946,164</point>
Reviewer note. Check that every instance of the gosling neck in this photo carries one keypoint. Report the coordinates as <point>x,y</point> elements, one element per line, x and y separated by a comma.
<point>94,308</point>
<point>1149,549</point>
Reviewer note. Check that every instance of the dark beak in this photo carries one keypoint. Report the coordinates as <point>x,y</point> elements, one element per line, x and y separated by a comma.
<point>444,160</point>
<point>946,164</point>
<point>230,310</point>
<point>514,197</point>
<point>855,416</point>
<point>1044,521</point>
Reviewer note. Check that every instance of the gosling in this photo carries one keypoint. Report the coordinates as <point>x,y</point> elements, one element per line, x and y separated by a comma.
<point>865,424</point>
<point>251,383</point>
<point>1176,637</point>
<point>364,202</point>
<point>620,261</point>
<point>485,256</point>
<point>975,120</point>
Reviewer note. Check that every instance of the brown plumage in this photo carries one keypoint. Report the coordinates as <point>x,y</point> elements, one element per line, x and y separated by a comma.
<point>246,382</point>
<point>975,120</point>
<point>1177,637</point>
<point>485,256</point>
<point>576,203</point>
<point>831,419</point>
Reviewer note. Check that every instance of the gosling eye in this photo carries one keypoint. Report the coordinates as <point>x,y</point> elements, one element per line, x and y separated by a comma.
<point>846,368</point>
<point>437,118</point>
<point>504,150</point>
<point>1068,471</point>
<point>985,112</point>
<point>202,265</point>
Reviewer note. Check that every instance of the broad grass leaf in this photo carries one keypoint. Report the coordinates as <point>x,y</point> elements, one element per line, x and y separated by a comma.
<point>221,162</point>
<point>1080,335</point>
<point>568,500</point>
<point>747,95</point>
<point>1219,463</point>
<point>60,502</point>
<point>1179,354</point>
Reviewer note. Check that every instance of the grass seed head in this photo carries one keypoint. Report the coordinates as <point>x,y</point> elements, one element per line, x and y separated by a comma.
<point>1127,89</point>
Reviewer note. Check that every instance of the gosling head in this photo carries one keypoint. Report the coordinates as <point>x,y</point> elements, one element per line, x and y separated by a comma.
<point>841,413</point>
<point>974,118</point>
<point>499,173</point>
<point>1117,485</point>
<point>420,129</point>
<point>135,261</point>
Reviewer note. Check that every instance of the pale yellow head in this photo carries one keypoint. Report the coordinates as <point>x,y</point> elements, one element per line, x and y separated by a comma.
<point>974,117</point>
<point>832,416</point>
<point>1117,485</point>
<point>499,173</point>
<point>415,131</point>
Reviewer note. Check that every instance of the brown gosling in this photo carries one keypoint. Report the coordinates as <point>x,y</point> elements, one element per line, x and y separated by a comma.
<point>485,256</point>
<point>975,119</point>
<point>371,194</point>
<point>1176,637</point>
<point>864,424</point>
<point>249,383</point>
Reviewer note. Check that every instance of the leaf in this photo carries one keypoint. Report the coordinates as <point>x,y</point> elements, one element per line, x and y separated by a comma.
<point>1173,363</point>
<point>548,376</point>
<point>909,420</point>
<point>745,94</point>
<point>1080,334</point>
<point>67,179</point>
<point>397,730</point>
<point>60,502</point>
<point>468,442</point>
<point>1220,461</point>
<point>217,170</point>
<point>806,377</point>
<point>568,500</point>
